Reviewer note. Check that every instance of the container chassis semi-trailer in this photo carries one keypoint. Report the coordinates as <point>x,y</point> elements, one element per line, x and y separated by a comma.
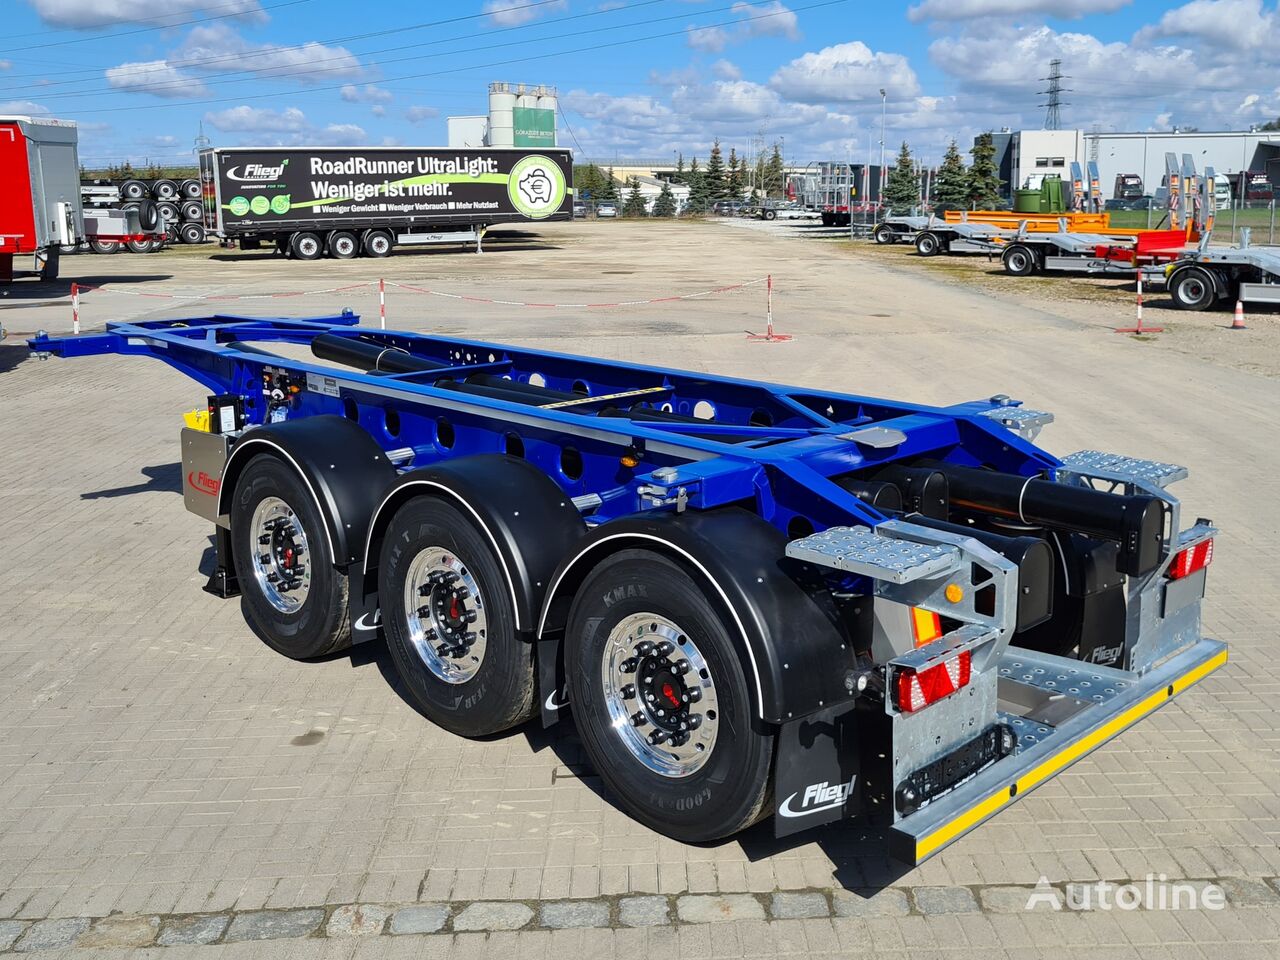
<point>753,598</point>
<point>1205,276</point>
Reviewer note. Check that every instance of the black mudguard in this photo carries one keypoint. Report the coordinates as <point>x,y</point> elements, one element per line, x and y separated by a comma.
<point>531,523</point>
<point>795,654</point>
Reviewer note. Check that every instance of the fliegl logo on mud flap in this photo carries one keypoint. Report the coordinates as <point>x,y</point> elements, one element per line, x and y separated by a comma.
<point>536,186</point>
<point>817,796</point>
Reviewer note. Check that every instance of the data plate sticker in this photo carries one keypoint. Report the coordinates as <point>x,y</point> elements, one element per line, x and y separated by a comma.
<point>318,383</point>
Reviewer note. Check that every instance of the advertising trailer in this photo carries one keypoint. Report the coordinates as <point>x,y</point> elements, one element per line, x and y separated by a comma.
<point>344,202</point>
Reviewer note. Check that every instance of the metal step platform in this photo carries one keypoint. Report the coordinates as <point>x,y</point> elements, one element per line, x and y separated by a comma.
<point>1098,465</point>
<point>862,551</point>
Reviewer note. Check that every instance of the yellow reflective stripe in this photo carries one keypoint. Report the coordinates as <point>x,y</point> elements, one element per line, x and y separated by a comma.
<point>1059,761</point>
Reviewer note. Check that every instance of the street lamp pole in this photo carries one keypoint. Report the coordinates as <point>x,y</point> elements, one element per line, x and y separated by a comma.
<point>884,109</point>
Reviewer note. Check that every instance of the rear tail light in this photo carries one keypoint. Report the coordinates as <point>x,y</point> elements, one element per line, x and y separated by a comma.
<point>1190,560</point>
<point>917,689</point>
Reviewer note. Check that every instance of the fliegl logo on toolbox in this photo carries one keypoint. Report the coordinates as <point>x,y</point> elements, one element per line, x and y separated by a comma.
<point>536,186</point>
<point>257,172</point>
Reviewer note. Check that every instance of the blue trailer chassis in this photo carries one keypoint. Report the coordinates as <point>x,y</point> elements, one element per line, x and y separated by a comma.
<point>701,468</point>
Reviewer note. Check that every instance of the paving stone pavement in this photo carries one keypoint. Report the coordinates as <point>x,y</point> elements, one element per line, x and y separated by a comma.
<point>157,760</point>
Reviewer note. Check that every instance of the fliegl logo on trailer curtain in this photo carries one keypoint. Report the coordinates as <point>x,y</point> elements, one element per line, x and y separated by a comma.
<point>536,186</point>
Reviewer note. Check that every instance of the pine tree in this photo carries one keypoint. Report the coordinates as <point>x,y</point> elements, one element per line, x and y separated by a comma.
<point>665,205</point>
<point>775,174</point>
<point>698,201</point>
<point>679,177</point>
<point>734,181</point>
<point>902,189</point>
<point>984,178</point>
<point>951,182</point>
<point>713,176</point>
<point>634,206</point>
<point>608,192</point>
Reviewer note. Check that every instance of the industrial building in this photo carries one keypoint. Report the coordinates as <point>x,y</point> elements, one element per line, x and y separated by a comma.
<point>520,115</point>
<point>1025,157</point>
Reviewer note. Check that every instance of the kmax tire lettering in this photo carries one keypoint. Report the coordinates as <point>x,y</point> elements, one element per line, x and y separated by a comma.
<point>817,796</point>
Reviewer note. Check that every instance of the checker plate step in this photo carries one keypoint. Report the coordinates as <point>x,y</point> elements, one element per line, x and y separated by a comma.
<point>1121,469</point>
<point>862,551</point>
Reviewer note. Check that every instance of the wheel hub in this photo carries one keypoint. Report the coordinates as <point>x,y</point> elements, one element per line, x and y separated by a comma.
<point>446,615</point>
<point>660,695</point>
<point>281,565</point>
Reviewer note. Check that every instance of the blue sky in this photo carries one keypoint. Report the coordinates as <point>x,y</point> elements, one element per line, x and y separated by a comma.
<point>637,78</point>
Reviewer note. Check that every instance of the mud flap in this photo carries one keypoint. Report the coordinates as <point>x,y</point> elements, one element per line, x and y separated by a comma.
<point>553,686</point>
<point>816,775</point>
<point>366,618</point>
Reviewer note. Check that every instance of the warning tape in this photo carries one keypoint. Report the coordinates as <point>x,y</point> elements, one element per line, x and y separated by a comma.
<point>220,296</point>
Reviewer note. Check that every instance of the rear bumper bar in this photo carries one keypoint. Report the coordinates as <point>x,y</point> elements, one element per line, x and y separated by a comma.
<point>1102,703</point>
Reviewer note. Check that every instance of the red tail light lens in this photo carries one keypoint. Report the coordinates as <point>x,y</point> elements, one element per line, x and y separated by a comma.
<point>916,690</point>
<point>1191,559</point>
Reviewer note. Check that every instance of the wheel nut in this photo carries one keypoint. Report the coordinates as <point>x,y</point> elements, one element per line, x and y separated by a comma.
<point>629,692</point>
<point>638,719</point>
<point>666,648</point>
<point>628,665</point>
<point>681,667</point>
<point>264,539</point>
<point>462,593</point>
<point>693,721</point>
<point>679,739</point>
<point>469,616</point>
<point>693,695</point>
<point>425,589</point>
<point>298,571</point>
<point>424,612</point>
<point>644,648</point>
<point>658,736</point>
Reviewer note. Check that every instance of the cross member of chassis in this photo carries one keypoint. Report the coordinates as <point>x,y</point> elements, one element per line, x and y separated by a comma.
<point>754,599</point>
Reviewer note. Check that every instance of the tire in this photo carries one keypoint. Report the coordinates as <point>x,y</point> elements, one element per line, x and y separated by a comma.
<point>771,214</point>
<point>305,246</point>
<point>928,244</point>
<point>1020,261</point>
<point>377,243</point>
<point>140,246</point>
<point>312,619</point>
<point>190,188</point>
<point>343,245</point>
<point>192,233</point>
<point>164,190</point>
<point>168,211</point>
<point>148,215</point>
<point>192,210</point>
<point>1192,289</point>
<point>133,190</point>
<point>689,795</point>
<point>474,690</point>
<point>104,246</point>
<point>883,235</point>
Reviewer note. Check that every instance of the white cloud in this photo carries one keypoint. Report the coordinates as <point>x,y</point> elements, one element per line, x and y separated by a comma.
<point>287,127</point>
<point>369,93</point>
<point>1229,24</point>
<point>417,113</point>
<point>772,19</point>
<point>6,64</point>
<point>87,14</point>
<point>23,108</point>
<point>156,77</point>
<point>510,13</point>
<point>976,9</point>
<point>378,110</point>
<point>846,72</point>
<point>219,48</point>
<point>724,70</point>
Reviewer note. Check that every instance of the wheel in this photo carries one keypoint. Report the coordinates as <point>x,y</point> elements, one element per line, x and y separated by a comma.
<point>190,188</point>
<point>148,215</point>
<point>104,246</point>
<point>1019,261</point>
<point>133,190</point>
<point>660,700</point>
<point>293,596</point>
<point>449,622</point>
<point>192,210</point>
<point>883,234</point>
<point>164,190</point>
<point>191,233</point>
<point>771,214</point>
<point>342,245</point>
<point>377,243</point>
<point>1192,289</point>
<point>927,244</point>
<point>168,211</point>
<point>140,246</point>
<point>305,246</point>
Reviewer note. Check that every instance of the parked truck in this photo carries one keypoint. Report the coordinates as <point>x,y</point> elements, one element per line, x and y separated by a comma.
<point>755,599</point>
<point>345,202</point>
<point>40,206</point>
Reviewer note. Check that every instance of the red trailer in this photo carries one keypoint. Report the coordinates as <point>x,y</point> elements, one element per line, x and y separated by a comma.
<point>40,211</point>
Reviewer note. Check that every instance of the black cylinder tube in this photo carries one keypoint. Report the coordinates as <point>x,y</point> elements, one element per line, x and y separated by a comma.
<point>369,356</point>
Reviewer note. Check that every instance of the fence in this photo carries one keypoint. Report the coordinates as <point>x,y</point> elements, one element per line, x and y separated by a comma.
<point>1258,215</point>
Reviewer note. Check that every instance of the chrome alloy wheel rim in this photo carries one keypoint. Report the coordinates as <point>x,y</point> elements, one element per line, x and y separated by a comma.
<point>660,695</point>
<point>281,559</point>
<point>446,615</point>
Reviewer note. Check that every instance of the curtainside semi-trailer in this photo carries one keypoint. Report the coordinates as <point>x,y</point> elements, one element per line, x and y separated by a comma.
<point>754,598</point>
<point>344,202</point>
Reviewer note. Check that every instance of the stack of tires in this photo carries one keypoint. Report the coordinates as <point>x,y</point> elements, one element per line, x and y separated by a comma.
<point>174,205</point>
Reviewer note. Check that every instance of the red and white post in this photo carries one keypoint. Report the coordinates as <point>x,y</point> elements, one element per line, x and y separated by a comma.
<point>382,302</point>
<point>75,309</point>
<point>1138,327</point>
<point>768,336</point>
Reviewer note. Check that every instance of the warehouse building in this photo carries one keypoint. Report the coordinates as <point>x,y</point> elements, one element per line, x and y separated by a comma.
<point>1024,157</point>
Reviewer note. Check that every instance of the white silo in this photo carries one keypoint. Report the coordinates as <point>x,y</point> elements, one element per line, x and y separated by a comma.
<point>547,100</point>
<point>502,103</point>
